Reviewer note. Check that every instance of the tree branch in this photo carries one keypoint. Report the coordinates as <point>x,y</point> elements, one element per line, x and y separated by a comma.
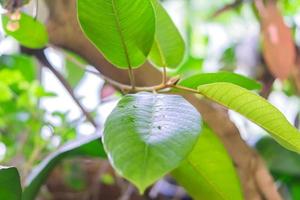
<point>227,7</point>
<point>40,55</point>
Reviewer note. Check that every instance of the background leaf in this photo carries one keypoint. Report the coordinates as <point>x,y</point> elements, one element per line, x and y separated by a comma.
<point>25,64</point>
<point>90,146</point>
<point>255,108</point>
<point>206,78</point>
<point>74,73</point>
<point>147,135</point>
<point>168,47</point>
<point>278,159</point>
<point>123,30</point>
<point>30,32</point>
<point>10,186</point>
<point>208,172</point>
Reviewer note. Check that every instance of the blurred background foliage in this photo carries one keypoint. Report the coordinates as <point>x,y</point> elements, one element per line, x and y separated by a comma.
<point>37,115</point>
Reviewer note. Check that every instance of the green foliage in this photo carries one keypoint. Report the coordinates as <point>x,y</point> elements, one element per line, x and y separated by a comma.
<point>206,78</point>
<point>168,47</point>
<point>89,146</point>
<point>30,32</point>
<point>283,164</point>
<point>148,135</point>
<point>228,59</point>
<point>10,186</point>
<point>122,30</point>
<point>19,96</point>
<point>191,66</point>
<point>208,172</point>
<point>74,73</point>
<point>255,108</point>
<point>25,64</point>
<point>278,159</point>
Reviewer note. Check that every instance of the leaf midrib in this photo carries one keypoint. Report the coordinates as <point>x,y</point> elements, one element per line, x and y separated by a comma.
<point>118,25</point>
<point>161,54</point>
<point>206,179</point>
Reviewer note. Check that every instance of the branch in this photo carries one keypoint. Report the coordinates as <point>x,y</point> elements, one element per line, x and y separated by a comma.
<point>40,55</point>
<point>128,88</point>
<point>227,7</point>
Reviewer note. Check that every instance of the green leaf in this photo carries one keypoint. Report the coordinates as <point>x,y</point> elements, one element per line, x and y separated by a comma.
<point>191,66</point>
<point>208,172</point>
<point>148,135</point>
<point>168,47</point>
<point>23,63</point>
<point>256,109</point>
<point>278,159</point>
<point>10,186</point>
<point>74,73</point>
<point>123,30</point>
<point>5,92</point>
<point>90,146</point>
<point>206,78</point>
<point>31,33</point>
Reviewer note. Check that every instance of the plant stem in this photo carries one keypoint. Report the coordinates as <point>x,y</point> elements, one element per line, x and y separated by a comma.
<point>131,77</point>
<point>42,58</point>
<point>164,75</point>
<point>127,88</point>
<point>185,89</point>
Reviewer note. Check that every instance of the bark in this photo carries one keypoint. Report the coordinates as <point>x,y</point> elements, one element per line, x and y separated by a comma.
<point>64,32</point>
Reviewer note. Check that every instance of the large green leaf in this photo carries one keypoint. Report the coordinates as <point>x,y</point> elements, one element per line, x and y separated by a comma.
<point>10,186</point>
<point>123,30</point>
<point>208,172</point>
<point>90,146</point>
<point>206,78</point>
<point>147,135</point>
<point>168,47</point>
<point>278,159</point>
<point>31,33</point>
<point>256,109</point>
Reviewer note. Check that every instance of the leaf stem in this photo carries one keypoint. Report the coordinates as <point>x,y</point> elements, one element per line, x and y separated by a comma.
<point>185,89</point>
<point>172,83</point>
<point>131,77</point>
<point>164,75</point>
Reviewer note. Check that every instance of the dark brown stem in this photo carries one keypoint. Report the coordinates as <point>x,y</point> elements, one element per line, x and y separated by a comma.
<point>42,58</point>
<point>227,7</point>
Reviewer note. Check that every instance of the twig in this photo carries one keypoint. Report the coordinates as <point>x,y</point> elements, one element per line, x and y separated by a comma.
<point>36,9</point>
<point>131,78</point>
<point>124,87</point>
<point>127,193</point>
<point>164,75</point>
<point>226,8</point>
<point>42,58</point>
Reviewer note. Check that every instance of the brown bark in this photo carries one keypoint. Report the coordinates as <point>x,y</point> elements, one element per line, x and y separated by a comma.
<point>64,32</point>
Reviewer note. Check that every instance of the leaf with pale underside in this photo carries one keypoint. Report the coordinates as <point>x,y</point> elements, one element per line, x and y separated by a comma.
<point>123,30</point>
<point>208,171</point>
<point>256,109</point>
<point>168,47</point>
<point>148,135</point>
